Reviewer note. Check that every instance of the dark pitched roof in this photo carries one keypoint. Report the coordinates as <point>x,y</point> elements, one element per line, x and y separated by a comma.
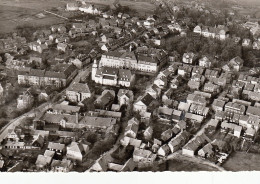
<point>147,99</point>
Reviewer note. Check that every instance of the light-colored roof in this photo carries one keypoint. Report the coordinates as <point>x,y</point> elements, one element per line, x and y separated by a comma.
<point>79,87</point>
<point>43,160</point>
<point>56,146</point>
<point>98,122</point>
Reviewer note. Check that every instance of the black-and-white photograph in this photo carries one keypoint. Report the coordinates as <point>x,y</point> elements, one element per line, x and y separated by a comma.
<point>129,86</point>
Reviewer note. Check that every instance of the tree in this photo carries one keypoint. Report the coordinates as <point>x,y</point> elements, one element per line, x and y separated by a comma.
<point>249,59</point>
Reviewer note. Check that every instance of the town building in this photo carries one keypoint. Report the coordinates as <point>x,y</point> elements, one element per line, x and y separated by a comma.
<point>125,97</point>
<point>76,151</point>
<point>77,92</point>
<point>132,61</point>
<point>60,76</point>
<point>112,76</point>
<point>25,100</point>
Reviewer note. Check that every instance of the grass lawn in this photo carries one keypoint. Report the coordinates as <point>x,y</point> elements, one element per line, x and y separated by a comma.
<point>242,161</point>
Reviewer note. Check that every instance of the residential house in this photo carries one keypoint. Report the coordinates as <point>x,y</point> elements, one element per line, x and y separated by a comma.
<point>100,165</point>
<point>125,97</point>
<point>197,70</point>
<point>194,84</point>
<point>25,100</point>
<point>161,82</point>
<point>246,42</point>
<point>177,115</point>
<point>105,100</point>
<point>143,156</point>
<point>231,107</point>
<point>166,135</point>
<point>63,109</point>
<point>184,106</point>
<point>72,7</point>
<point>212,125</point>
<point>199,109</point>
<point>96,123</point>
<point>231,128</point>
<point>234,64</point>
<point>194,117</point>
<point>76,151</point>
<point>192,147</point>
<point>142,103</point>
<point>184,70</point>
<point>148,133</point>
<point>178,141</point>
<point>211,74</point>
<point>211,88</point>
<point>253,111</point>
<point>218,105</point>
<point>205,62</point>
<point>189,58</point>
<point>57,148</point>
<point>196,99</point>
<point>154,91</point>
<point>256,45</point>
<point>146,117</point>
<point>13,135</point>
<point>164,150</point>
<point>206,151</point>
<point>37,47</point>
<point>62,47</point>
<point>61,165</point>
<point>176,81</point>
<point>131,130</point>
<point>43,162</point>
<point>165,113</point>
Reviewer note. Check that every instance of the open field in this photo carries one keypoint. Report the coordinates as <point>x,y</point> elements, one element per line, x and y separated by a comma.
<point>141,7</point>
<point>15,13</point>
<point>250,2</point>
<point>242,161</point>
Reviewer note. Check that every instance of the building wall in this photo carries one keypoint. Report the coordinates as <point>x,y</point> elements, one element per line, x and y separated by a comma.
<point>128,64</point>
<point>188,152</point>
<point>74,155</point>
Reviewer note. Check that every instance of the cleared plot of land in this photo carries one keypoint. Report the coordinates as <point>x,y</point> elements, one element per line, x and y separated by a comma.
<point>242,161</point>
<point>15,13</point>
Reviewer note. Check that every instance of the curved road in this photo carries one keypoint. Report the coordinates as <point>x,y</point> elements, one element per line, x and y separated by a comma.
<point>15,122</point>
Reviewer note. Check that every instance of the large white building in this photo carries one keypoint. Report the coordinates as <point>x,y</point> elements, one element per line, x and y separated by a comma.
<point>90,9</point>
<point>112,76</point>
<point>132,61</point>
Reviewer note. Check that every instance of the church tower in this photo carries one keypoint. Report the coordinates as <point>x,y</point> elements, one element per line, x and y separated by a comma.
<point>94,70</point>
